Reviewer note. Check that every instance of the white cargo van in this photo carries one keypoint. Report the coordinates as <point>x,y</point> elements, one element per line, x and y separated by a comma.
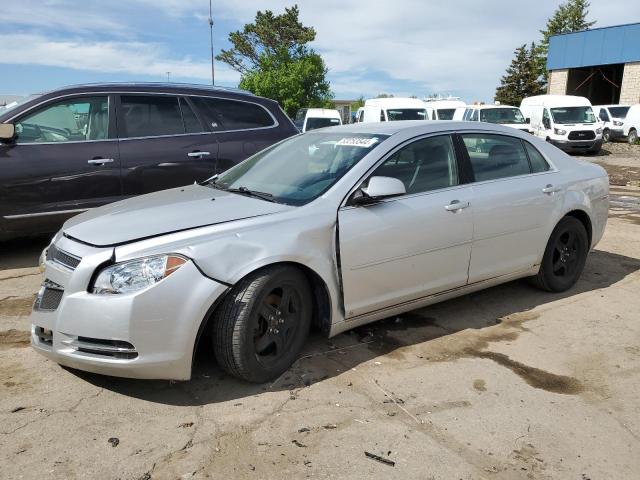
<point>443,109</point>
<point>566,121</point>
<point>612,118</point>
<point>503,114</point>
<point>631,126</point>
<point>392,109</point>
<point>312,118</point>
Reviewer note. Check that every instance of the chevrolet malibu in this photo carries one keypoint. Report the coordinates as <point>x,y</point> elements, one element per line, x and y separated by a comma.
<point>334,229</point>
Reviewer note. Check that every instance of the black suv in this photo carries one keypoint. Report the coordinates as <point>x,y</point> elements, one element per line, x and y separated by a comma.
<point>79,147</point>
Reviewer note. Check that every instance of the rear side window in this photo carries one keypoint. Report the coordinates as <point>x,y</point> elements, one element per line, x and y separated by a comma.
<point>150,116</point>
<point>537,161</point>
<point>224,114</point>
<point>191,122</point>
<point>495,156</point>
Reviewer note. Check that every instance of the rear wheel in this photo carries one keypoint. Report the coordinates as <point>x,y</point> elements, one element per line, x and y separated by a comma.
<point>263,323</point>
<point>564,257</point>
<point>633,136</point>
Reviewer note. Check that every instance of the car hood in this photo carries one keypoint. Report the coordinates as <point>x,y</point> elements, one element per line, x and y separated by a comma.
<point>164,212</point>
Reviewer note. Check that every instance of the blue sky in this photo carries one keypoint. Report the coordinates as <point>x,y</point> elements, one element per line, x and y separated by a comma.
<point>406,47</point>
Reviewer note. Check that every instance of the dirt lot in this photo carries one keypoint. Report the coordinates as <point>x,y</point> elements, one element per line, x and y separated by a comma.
<point>509,383</point>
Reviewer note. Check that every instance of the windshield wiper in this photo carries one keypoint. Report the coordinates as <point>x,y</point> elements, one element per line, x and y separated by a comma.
<point>252,193</point>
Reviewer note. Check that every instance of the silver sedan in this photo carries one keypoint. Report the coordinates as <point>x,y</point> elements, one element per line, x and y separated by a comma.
<point>334,229</point>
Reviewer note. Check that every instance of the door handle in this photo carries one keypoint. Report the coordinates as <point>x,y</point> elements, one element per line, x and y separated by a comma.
<point>198,154</point>
<point>549,189</point>
<point>100,161</point>
<point>456,205</point>
<point>168,164</point>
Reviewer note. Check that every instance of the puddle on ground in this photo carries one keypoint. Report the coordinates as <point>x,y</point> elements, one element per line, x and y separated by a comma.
<point>14,339</point>
<point>16,306</point>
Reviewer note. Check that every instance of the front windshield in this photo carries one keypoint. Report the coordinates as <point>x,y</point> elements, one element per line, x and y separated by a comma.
<point>301,168</point>
<point>568,115</point>
<point>618,112</point>
<point>501,115</point>
<point>313,123</point>
<point>446,113</point>
<point>17,103</point>
<point>406,114</point>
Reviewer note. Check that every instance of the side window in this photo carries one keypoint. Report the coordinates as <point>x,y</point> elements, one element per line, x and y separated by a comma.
<point>150,116</point>
<point>546,120</point>
<point>537,161</point>
<point>76,120</point>
<point>191,122</point>
<point>495,156</point>
<point>474,115</point>
<point>382,118</point>
<point>603,115</point>
<point>361,117</point>
<point>424,165</point>
<point>466,115</point>
<point>223,114</point>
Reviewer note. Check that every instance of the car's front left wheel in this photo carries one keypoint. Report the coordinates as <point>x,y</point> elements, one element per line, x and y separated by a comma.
<point>262,324</point>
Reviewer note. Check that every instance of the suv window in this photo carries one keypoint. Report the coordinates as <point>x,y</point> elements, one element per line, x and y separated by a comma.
<point>495,156</point>
<point>76,120</point>
<point>224,114</point>
<point>150,116</point>
<point>191,122</point>
<point>424,165</point>
<point>537,161</point>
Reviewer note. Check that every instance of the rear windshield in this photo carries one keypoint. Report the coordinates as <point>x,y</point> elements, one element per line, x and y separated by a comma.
<point>313,123</point>
<point>501,115</point>
<point>446,113</point>
<point>568,115</point>
<point>618,112</point>
<point>406,114</point>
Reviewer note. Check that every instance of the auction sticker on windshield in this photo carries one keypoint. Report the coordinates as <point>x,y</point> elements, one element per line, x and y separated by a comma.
<point>357,142</point>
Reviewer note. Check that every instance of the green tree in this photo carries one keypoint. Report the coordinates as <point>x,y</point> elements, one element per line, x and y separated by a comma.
<point>357,104</point>
<point>521,79</point>
<point>274,61</point>
<point>570,16</point>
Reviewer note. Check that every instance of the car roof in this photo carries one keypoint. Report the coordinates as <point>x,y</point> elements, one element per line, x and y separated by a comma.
<point>481,107</point>
<point>323,112</point>
<point>417,127</point>
<point>398,102</point>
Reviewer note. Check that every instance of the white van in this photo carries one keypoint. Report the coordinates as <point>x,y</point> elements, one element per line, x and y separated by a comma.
<point>312,118</point>
<point>443,109</point>
<point>631,126</point>
<point>502,114</point>
<point>566,121</point>
<point>458,114</point>
<point>612,118</point>
<point>359,115</point>
<point>392,109</point>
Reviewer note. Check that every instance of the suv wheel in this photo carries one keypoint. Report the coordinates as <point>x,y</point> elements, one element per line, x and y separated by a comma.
<point>633,136</point>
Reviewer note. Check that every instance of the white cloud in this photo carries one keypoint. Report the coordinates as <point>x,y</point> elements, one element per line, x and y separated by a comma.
<point>134,58</point>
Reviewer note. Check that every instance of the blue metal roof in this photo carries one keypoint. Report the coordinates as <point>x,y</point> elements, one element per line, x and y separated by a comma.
<point>600,46</point>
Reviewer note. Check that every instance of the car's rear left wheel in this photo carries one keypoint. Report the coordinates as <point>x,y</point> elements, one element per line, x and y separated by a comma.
<point>262,324</point>
<point>564,257</point>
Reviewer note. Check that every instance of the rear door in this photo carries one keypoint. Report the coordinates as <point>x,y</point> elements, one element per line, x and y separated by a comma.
<point>515,194</point>
<point>241,128</point>
<point>163,143</point>
<point>64,160</point>
<point>410,246</point>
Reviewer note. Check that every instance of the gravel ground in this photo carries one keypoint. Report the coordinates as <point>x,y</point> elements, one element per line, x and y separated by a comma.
<point>509,383</point>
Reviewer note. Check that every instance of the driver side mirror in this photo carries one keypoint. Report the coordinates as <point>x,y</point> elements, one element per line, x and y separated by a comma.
<point>378,189</point>
<point>7,131</point>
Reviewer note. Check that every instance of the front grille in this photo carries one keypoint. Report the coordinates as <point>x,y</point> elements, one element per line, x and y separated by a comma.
<point>45,337</point>
<point>49,296</point>
<point>582,135</point>
<point>106,348</point>
<point>63,258</point>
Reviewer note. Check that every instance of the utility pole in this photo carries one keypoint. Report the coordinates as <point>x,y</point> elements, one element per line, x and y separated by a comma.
<point>213,77</point>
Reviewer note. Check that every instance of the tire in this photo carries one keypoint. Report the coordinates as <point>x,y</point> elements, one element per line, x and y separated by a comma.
<point>606,135</point>
<point>255,336</point>
<point>564,257</point>
<point>633,136</point>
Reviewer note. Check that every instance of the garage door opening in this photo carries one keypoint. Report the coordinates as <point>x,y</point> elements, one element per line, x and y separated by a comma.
<point>601,84</point>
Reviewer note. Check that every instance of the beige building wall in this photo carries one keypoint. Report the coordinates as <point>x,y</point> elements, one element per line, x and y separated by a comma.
<point>557,84</point>
<point>630,88</point>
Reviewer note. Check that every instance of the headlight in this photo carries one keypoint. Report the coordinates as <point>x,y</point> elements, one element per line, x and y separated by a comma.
<point>598,131</point>
<point>134,275</point>
<point>618,123</point>
<point>559,131</point>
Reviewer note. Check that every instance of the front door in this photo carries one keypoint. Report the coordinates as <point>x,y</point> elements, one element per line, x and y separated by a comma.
<point>407,247</point>
<point>63,161</point>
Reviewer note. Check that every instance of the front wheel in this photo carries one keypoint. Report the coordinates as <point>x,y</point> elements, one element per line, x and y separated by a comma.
<point>564,257</point>
<point>633,136</point>
<point>606,135</point>
<point>262,324</point>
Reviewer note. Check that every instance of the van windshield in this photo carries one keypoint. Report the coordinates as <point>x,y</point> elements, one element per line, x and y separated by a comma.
<point>313,123</point>
<point>299,169</point>
<point>568,115</point>
<point>406,114</point>
<point>618,112</point>
<point>501,115</point>
<point>446,113</point>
